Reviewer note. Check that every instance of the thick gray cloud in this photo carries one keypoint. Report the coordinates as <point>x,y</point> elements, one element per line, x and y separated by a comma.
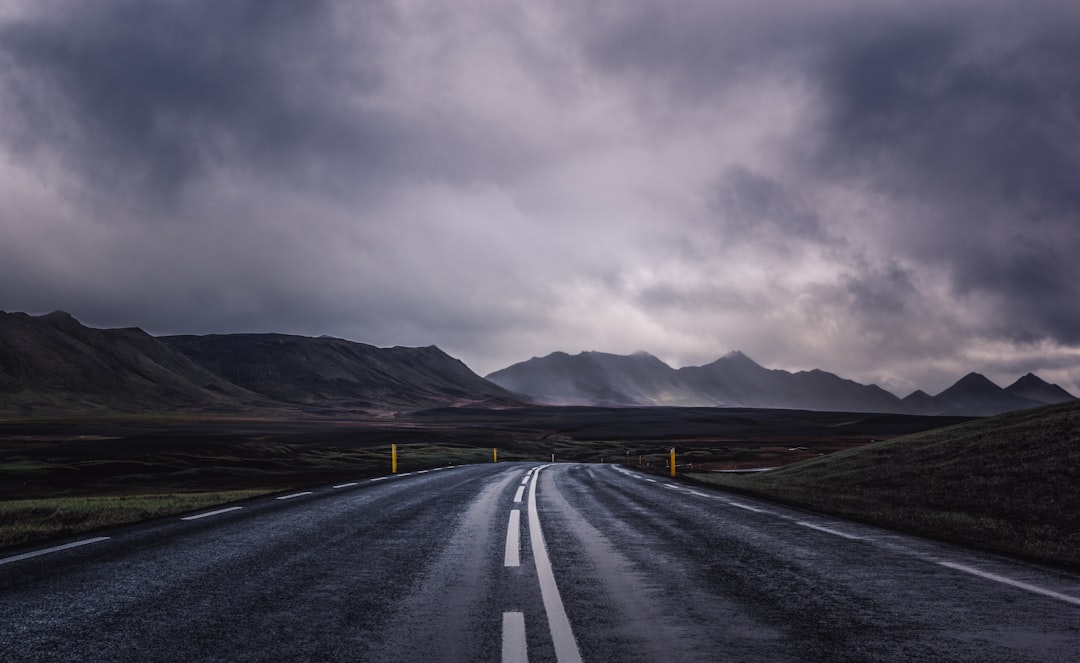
<point>886,190</point>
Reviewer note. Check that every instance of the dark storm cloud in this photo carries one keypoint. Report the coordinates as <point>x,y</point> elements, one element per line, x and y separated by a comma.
<point>974,135</point>
<point>934,148</point>
<point>144,97</point>
<point>828,183</point>
<point>885,292</point>
<point>753,205</point>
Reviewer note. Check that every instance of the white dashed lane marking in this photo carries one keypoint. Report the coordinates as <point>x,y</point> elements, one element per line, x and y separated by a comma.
<point>514,649</point>
<point>46,551</point>
<point>512,556</point>
<point>211,513</point>
<point>289,497</point>
<point>829,530</point>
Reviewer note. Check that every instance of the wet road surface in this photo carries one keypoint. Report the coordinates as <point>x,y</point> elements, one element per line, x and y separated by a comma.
<point>522,562</point>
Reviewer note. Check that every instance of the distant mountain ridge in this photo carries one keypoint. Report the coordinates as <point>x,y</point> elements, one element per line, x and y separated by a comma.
<point>54,364</point>
<point>333,372</point>
<point>735,380</point>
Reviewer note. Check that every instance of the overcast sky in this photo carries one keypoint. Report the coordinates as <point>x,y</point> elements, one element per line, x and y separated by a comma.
<point>886,190</point>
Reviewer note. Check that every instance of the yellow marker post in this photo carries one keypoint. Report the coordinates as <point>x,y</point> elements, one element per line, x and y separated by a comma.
<point>393,459</point>
<point>553,458</point>
<point>673,461</point>
<point>494,455</point>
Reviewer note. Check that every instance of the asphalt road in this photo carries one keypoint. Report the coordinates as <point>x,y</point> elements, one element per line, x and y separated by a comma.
<point>510,562</point>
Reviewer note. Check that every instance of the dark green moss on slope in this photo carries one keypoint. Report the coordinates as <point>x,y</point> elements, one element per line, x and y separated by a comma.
<point>1010,483</point>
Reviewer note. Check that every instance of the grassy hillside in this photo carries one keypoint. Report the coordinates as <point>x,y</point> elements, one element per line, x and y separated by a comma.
<point>1009,483</point>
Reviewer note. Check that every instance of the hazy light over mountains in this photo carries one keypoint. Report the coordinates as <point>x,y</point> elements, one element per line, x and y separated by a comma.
<point>889,191</point>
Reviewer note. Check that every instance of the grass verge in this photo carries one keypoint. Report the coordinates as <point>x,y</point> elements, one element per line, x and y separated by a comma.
<point>26,521</point>
<point>1009,484</point>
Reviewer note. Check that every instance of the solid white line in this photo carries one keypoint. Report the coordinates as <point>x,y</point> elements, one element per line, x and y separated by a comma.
<point>512,557</point>
<point>345,485</point>
<point>1013,583</point>
<point>46,551</point>
<point>737,505</point>
<point>289,497</point>
<point>562,636</point>
<point>829,531</point>
<point>212,513</point>
<point>519,493</point>
<point>514,648</point>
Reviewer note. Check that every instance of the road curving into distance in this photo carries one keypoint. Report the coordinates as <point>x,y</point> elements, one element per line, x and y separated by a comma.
<point>520,562</point>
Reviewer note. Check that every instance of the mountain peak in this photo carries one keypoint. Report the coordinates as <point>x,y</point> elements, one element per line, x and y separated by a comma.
<point>1035,388</point>
<point>1030,379</point>
<point>975,380</point>
<point>739,358</point>
<point>59,317</point>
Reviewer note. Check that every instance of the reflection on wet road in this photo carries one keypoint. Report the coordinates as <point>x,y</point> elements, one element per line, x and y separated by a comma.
<point>525,562</point>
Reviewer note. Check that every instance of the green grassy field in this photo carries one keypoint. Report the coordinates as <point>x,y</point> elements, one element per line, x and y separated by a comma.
<point>1009,483</point>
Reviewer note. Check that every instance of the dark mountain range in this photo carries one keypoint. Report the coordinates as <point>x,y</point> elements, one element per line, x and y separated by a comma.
<point>1033,388</point>
<point>598,378</point>
<point>976,395</point>
<point>735,380</point>
<point>920,401</point>
<point>54,364</point>
<point>332,372</point>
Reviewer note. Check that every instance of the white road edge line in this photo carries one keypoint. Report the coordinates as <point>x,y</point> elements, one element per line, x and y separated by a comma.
<point>514,649</point>
<point>562,636</point>
<point>212,513</point>
<point>512,557</point>
<point>651,480</point>
<point>379,479</point>
<point>829,531</point>
<point>46,551</point>
<point>289,497</point>
<point>346,485</point>
<point>519,493</point>
<point>1012,583</point>
<point>739,505</point>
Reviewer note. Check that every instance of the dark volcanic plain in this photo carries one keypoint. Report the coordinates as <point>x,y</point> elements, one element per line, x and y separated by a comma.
<point>121,455</point>
<point>62,477</point>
